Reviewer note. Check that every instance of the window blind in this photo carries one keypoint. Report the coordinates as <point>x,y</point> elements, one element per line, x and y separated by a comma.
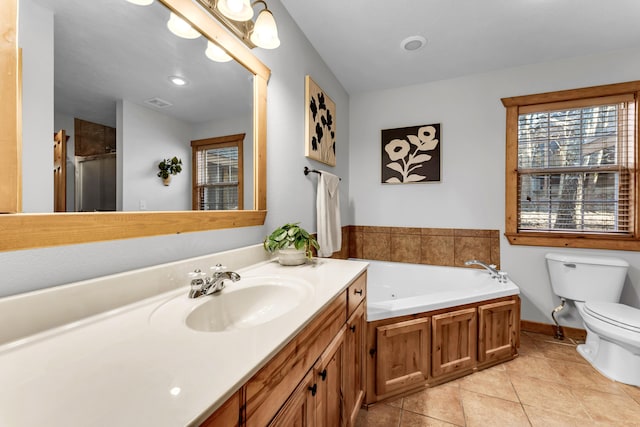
<point>217,177</point>
<point>575,166</point>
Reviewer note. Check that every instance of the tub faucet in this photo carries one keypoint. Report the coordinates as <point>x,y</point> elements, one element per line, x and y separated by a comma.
<point>490,268</point>
<point>203,285</point>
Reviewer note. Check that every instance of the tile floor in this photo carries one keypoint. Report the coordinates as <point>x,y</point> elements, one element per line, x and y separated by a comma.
<point>549,384</point>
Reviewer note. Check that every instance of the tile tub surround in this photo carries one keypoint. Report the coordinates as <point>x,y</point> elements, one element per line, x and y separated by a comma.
<point>119,367</point>
<point>433,246</point>
<point>550,384</point>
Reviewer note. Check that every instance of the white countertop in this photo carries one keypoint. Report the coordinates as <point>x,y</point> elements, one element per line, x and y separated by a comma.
<point>121,369</point>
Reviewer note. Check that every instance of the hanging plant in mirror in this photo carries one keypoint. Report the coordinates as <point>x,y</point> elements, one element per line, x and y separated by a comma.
<point>169,167</point>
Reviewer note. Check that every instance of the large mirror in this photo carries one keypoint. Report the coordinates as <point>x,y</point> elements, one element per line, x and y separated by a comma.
<point>113,62</point>
<point>114,65</point>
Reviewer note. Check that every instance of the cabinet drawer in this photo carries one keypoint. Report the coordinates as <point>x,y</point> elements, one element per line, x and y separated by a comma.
<point>356,293</point>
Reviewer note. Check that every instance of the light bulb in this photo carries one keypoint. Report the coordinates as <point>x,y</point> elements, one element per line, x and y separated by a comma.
<point>235,5</point>
<point>265,32</point>
<point>215,53</point>
<point>180,28</point>
<point>238,10</point>
<point>141,2</point>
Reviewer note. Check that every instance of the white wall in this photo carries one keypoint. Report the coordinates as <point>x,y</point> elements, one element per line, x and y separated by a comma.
<point>36,40</point>
<point>291,195</point>
<point>471,193</point>
<point>148,137</point>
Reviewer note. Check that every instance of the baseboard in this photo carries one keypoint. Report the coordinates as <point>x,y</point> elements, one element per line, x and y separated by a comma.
<point>547,329</point>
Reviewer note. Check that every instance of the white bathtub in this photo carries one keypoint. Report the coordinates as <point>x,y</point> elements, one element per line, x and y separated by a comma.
<point>397,289</point>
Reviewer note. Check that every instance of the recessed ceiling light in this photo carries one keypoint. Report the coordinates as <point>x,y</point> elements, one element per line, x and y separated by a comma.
<point>178,81</point>
<point>413,43</point>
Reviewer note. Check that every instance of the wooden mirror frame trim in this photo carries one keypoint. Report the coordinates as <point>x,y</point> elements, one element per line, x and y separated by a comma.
<point>24,231</point>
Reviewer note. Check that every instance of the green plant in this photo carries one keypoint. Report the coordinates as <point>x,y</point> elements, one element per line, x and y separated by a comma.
<point>169,167</point>
<point>291,235</point>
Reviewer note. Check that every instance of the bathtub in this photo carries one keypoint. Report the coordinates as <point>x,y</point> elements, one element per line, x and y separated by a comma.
<point>398,289</point>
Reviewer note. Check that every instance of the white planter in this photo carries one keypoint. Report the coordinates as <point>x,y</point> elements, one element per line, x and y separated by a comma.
<point>291,256</point>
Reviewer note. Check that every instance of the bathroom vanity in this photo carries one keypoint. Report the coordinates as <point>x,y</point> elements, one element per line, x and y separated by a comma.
<point>142,363</point>
<point>316,378</point>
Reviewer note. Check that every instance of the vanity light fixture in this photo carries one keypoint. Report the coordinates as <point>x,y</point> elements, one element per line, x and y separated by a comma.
<point>263,33</point>
<point>141,2</point>
<point>215,53</point>
<point>180,28</point>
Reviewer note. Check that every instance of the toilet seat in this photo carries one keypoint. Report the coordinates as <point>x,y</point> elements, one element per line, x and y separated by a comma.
<point>619,315</point>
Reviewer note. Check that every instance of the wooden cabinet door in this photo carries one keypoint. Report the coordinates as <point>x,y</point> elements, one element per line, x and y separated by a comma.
<point>402,356</point>
<point>498,331</point>
<point>228,415</point>
<point>300,409</point>
<point>354,364</point>
<point>454,341</point>
<point>330,381</point>
<point>273,384</point>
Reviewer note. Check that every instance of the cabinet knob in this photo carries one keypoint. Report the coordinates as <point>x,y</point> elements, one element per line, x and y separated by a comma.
<point>353,328</point>
<point>358,291</point>
<point>313,389</point>
<point>323,374</point>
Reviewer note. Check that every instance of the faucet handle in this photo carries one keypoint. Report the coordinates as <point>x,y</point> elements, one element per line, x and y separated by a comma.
<point>195,274</point>
<point>196,280</point>
<point>217,269</point>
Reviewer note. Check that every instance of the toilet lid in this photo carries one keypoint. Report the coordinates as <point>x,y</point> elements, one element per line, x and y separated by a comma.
<point>616,314</point>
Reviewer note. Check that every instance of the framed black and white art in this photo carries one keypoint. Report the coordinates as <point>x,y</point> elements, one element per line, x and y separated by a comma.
<point>320,124</point>
<point>411,154</point>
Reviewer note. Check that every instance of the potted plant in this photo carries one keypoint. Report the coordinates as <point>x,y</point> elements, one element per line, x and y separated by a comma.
<point>293,243</point>
<point>169,167</point>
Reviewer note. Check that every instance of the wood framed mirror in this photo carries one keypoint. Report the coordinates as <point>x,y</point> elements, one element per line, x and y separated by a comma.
<point>32,230</point>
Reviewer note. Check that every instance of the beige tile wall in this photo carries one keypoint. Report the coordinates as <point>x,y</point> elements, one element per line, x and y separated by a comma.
<point>434,246</point>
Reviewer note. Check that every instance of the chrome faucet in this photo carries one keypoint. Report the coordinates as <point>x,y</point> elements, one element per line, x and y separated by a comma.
<point>491,268</point>
<point>201,284</point>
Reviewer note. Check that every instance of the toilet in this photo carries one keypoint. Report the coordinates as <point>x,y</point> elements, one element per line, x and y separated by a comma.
<point>613,329</point>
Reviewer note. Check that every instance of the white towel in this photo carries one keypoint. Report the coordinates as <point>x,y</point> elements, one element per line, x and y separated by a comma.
<point>328,212</point>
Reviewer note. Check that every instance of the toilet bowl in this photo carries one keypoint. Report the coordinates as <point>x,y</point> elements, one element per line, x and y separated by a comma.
<point>613,329</point>
<point>613,340</point>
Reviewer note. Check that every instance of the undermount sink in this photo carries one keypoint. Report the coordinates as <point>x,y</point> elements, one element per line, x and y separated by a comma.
<point>247,303</point>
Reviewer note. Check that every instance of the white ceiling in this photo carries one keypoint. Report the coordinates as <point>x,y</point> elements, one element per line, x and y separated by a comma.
<point>360,40</point>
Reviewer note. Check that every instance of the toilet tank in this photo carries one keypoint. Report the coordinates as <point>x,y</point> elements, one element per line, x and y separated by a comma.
<point>587,278</point>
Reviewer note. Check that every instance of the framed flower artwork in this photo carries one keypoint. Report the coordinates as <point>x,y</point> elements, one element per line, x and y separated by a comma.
<point>411,154</point>
<point>320,124</point>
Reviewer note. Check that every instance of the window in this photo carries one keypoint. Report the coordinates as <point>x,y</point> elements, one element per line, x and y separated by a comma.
<point>571,178</point>
<point>217,177</point>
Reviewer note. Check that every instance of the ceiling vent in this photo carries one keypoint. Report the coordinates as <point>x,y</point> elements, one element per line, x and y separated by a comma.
<point>413,43</point>
<point>158,103</point>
